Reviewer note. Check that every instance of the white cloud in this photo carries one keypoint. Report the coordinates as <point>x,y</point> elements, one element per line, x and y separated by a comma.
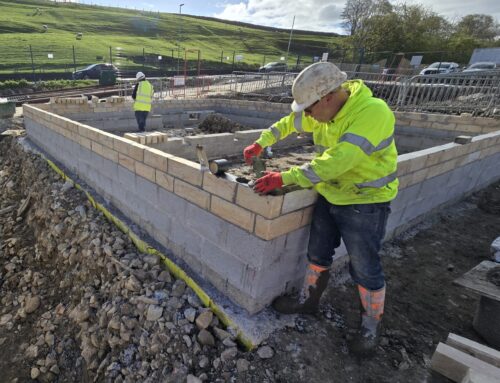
<point>324,15</point>
<point>318,15</point>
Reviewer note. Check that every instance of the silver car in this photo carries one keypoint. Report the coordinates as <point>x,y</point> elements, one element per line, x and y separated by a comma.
<point>481,66</point>
<point>440,67</point>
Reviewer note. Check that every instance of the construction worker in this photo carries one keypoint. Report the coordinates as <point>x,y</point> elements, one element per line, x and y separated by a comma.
<point>355,177</point>
<point>143,96</point>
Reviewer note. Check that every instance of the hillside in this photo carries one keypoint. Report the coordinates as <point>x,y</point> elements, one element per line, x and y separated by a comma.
<point>132,38</point>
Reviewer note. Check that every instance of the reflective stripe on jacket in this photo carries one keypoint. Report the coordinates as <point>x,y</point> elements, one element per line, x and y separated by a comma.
<point>144,96</point>
<point>359,162</point>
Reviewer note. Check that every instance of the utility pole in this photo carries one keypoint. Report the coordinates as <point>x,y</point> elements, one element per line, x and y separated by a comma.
<point>289,43</point>
<point>179,40</point>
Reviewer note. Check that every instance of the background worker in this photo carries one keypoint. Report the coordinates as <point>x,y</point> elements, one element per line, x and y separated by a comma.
<point>355,177</point>
<point>143,96</point>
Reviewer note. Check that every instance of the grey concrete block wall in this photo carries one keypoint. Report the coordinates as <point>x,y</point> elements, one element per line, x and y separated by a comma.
<point>218,250</point>
<point>251,270</point>
<point>415,202</point>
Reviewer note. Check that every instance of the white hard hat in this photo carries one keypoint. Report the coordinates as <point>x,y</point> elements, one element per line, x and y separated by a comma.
<point>315,82</point>
<point>140,75</point>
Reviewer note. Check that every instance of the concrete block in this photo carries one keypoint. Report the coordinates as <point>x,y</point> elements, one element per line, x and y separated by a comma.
<point>267,206</point>
<point>409,195</point>
<point>307,215</point>
<point>219,186</point>
<point>172,205</point>
<point>126,178</point>
<point>146,190</point>
<point>231,213</point>
<point>208,225</point>
<point>186,238</point>
<point>237,273</point>
<point>185,170</point>
<point>271,228</point>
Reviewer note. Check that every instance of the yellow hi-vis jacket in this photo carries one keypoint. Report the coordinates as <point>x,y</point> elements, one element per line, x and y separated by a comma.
<point>359,162</point>
<point>144,96</point>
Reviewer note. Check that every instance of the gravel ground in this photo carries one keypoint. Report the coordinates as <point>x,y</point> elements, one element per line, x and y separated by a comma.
<point>79,303</point>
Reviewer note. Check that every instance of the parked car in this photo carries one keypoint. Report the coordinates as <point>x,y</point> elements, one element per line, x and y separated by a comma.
<point>94,71</point>
<point>440,67</point>
<point>273,67</point>
<point>481,66</point>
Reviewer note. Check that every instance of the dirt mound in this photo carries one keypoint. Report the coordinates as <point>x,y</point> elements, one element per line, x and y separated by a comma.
<point>216,123</point>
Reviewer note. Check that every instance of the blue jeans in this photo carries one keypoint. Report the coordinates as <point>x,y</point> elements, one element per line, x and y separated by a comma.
<point>141,116</point>
<point>362,227</point>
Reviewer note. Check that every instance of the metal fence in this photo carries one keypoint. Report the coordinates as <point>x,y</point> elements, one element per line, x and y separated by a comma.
<point>475,93</point>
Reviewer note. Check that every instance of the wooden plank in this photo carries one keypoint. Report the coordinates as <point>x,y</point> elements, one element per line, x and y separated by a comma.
<point>476,280</point>
<point>477,350</point>
<point>454,364</point>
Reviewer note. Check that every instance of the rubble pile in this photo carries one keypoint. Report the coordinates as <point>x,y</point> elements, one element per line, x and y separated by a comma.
<point>78,299</point>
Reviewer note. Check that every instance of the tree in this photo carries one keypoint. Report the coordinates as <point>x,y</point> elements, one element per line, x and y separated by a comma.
<point>355,13</point>
<point>479,26</point>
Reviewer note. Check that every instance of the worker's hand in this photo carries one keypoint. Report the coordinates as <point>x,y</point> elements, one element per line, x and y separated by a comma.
<point>253,150</point>
<point>266,184</point>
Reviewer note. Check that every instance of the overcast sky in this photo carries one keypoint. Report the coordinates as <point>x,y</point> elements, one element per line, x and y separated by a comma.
<point>317,15</point>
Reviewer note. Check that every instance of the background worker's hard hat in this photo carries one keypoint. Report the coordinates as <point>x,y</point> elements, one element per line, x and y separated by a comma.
<point>315,82</point>
<point>140,76</point>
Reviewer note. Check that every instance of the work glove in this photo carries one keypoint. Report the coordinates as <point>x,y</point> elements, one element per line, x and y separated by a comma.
<point>253,150</point>
<point>270,181</point>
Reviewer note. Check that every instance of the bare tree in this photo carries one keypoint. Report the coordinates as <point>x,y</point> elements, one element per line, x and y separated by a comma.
<point>355,13</point>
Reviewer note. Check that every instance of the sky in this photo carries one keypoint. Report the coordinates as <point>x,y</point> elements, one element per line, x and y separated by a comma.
<point>314,15</point>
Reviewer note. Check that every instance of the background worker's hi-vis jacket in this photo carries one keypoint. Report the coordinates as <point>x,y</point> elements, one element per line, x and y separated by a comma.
<point>144,96</point>
<point>359,162</point>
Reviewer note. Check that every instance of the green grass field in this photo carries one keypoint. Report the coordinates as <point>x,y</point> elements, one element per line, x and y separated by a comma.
<point>126,37</point>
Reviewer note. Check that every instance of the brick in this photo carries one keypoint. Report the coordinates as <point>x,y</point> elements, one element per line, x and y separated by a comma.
<point>441,168</point>
<point>145,171</point>
<point>446,126</point>
<point>156,159</point>
<point>85,142</point>
<point>405,181</point>
<point>267,206</point>
<point>126,162</point>
<point>232,213</point>
<point>164,180</point>
<point>185,170</point>
<point>97,148</point>
<point>307,214</point>
<point>419,176</point>
<point>110,154</point>
<point>219,186</point>
<point>129,148</point>
<point>272,228</point>
<point>192,194</point>
<point>298,200</point>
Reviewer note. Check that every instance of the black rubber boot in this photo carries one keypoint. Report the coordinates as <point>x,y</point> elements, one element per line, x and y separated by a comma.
<point>368,336</point>
<point>307,302</point>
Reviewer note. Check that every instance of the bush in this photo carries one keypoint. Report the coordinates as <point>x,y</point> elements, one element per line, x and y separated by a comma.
<point>44,85</point>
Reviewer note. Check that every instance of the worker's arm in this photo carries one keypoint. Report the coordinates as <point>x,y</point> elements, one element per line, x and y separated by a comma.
<point>293,123</point>
<point>134,93</point>
<point>376,121</point>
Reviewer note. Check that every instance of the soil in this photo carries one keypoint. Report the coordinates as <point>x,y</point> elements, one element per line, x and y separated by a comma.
<point>78,289</point>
